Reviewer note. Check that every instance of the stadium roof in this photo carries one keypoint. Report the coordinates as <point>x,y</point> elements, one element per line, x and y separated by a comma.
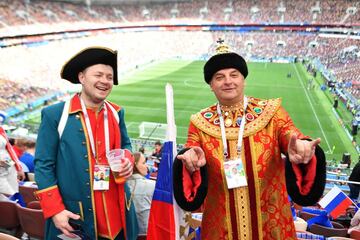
<point>117,2</point>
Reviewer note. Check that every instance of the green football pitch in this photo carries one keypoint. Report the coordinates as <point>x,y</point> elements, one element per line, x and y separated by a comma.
<point>142,94</point>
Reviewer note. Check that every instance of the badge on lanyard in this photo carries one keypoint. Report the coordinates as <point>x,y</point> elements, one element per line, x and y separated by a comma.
<point>101,177</point>
<point>234,169</point>
<point>235,173</point>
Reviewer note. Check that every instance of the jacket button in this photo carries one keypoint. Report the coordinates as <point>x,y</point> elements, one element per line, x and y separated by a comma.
<point>77,117</point>
<point>86,170</point>
<point>81,130</point>
<point>85,156</point>
<point>49,194</point>
<point>87,183</point>
<point>88,196</point>
<point>83,143</point>
<point>90,209</point>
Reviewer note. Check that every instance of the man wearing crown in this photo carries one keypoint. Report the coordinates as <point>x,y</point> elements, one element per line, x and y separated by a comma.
<point>232,166</point>
<point>70,152</point>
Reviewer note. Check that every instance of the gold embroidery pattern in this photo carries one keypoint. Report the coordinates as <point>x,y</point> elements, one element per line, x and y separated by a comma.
<point>258,114</point>
<point>243,216</point>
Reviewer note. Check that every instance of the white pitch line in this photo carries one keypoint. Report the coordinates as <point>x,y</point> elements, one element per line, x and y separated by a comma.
<point>312,107</point>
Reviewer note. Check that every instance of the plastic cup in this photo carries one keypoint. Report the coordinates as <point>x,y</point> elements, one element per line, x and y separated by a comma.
<point>116,158</point>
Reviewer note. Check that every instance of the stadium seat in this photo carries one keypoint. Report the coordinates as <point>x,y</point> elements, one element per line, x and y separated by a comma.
<point>11,222</point>
<point>343,220</point>
<point>27,192</point>
<point>328,232</point>
<point>337,225</point>
<point>34,205</point>
<point>32,221</point>
<point>340,238</point>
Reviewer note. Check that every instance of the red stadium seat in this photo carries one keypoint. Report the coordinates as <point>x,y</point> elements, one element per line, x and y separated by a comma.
<point>328,232</point>
<point>32,221</point>
<point>27,192</point>
<point>9,219</point>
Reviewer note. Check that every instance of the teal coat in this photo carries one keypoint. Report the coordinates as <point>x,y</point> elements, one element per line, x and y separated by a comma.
<point>64,162</point>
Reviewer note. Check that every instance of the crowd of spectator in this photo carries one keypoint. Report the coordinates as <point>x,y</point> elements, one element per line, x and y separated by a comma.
<point>20,12</point>
<point>39,66</point>
<point>13,94</point>
<point>340,55</point>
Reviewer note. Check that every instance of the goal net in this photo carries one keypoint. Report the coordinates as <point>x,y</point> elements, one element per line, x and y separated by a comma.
<point>152,130</point>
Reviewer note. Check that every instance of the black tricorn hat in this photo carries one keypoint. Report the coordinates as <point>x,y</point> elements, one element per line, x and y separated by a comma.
<point>86,58</point>
<point>224,59</point>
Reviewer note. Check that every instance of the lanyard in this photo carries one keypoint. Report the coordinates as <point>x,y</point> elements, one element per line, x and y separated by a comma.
<point>89,130</point>
<point>241,129</point>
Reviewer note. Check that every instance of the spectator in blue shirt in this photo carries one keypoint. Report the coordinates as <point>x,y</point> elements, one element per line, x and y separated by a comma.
<point>28,156</point>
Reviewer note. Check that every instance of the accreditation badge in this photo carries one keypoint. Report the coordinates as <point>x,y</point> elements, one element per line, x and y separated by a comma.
<point>235,174</point>
<point>101,177</point>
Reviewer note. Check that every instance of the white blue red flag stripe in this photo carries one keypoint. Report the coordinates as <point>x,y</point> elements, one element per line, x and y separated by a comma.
<point>161,220</point>
<point>335,202</point>
<point>163,188</point>
<point>164,212</point>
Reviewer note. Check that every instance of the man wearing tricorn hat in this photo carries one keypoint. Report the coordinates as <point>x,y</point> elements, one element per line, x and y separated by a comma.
<point>248,134</point>
<point>70,151</point>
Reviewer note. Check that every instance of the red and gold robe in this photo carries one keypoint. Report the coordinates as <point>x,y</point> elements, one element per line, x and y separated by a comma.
<point>260,210</point>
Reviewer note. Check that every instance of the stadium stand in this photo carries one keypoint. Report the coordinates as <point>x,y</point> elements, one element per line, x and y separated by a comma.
<point>266,31</point>
<point>39,11</point>
<point>335,53</point>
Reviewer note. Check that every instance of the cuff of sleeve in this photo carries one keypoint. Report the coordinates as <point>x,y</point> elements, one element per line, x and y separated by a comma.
<point>50,201</point>
<point>191,183</point>
<point>189,191</point>
<point>305,175</point>
<point>305,184</point>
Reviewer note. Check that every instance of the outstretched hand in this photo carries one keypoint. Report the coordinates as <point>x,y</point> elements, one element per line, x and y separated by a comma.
<point>301,151</point>
<point>193,159</point>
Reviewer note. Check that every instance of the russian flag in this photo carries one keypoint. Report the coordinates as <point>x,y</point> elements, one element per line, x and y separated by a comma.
<point>162,219</point>
<point>335,202</point>
<point>164,212</point>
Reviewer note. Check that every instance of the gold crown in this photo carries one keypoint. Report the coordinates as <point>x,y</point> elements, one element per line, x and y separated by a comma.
<point>222,47</point>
